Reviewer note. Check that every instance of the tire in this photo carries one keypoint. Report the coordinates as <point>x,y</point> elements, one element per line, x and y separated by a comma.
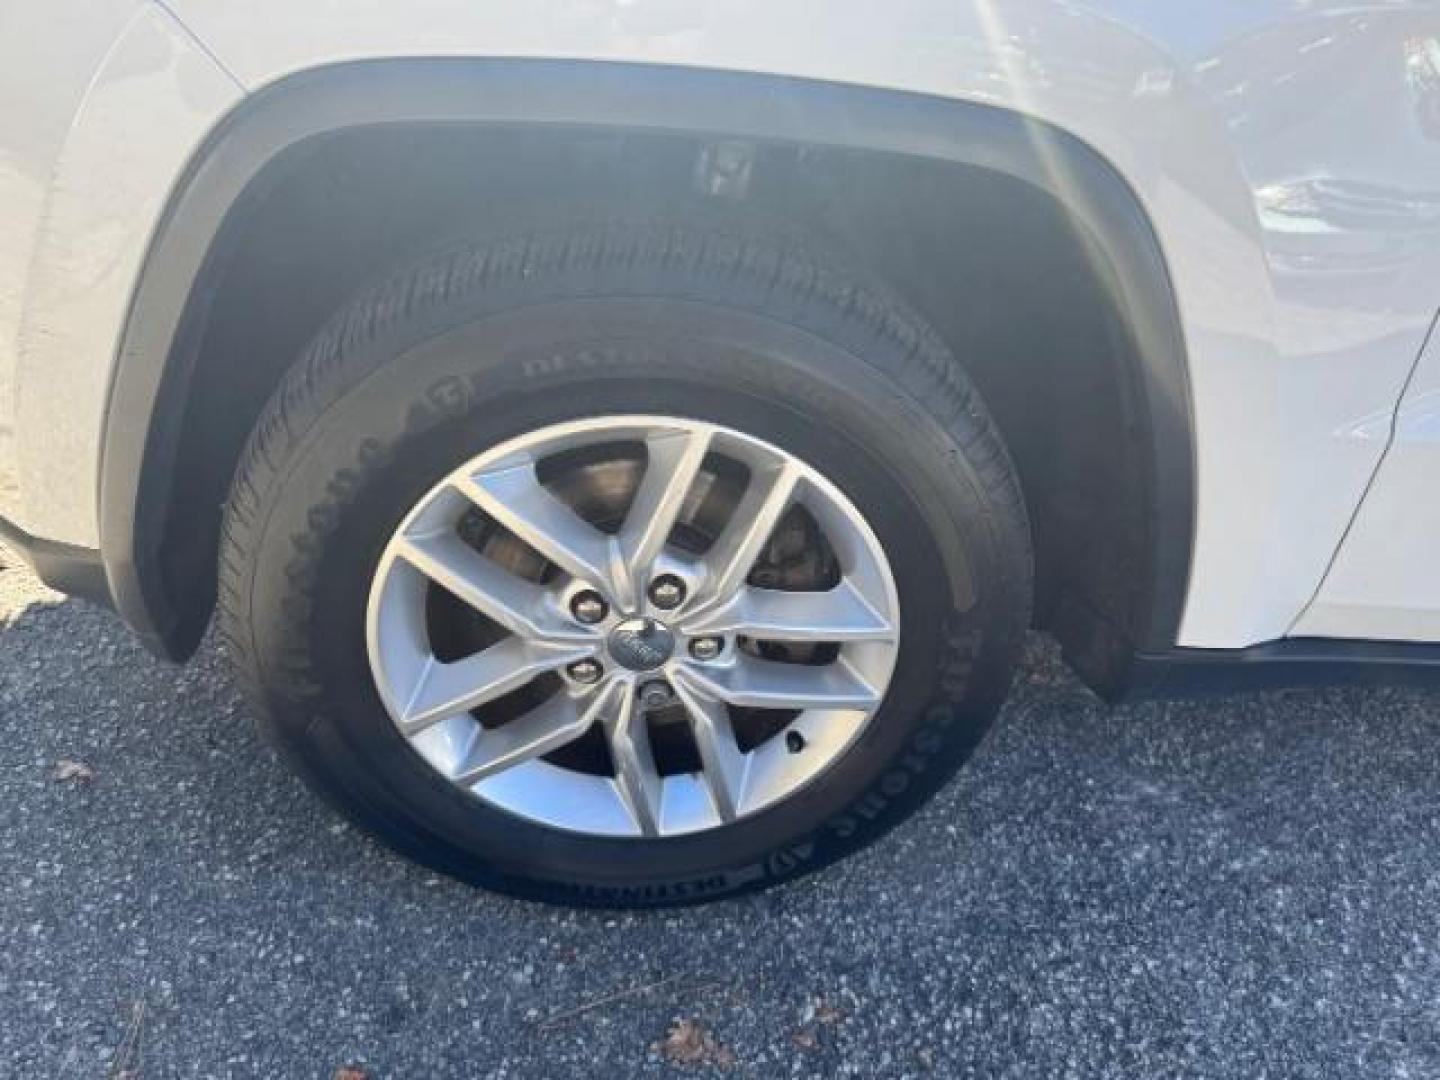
<point>485,342</point>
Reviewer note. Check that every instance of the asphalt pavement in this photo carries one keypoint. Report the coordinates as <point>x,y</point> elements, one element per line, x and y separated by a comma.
<point>1247,888</point>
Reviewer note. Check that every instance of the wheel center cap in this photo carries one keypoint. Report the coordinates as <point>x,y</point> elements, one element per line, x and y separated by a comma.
<point>641,644</point>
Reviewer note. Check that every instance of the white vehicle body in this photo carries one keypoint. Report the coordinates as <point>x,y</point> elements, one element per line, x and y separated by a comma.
<point>1286,158</point>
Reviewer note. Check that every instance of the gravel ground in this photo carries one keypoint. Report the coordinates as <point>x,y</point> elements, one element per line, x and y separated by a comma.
<point>1246,888</point>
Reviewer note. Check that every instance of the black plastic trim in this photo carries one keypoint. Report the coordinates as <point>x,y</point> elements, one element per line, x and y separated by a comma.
<point>158,349</point>
<point>75,571</point>
<point>1288,663</point>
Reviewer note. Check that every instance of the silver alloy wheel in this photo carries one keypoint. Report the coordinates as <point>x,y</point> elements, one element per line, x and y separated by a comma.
<point>644,651</point>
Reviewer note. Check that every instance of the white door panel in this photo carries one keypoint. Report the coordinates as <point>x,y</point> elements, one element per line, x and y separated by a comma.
<point>107,100</point>
<point>48,55</point>
<point>1385,582</point>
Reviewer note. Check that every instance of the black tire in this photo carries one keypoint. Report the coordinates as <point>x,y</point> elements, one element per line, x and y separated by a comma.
<point>487,341</point>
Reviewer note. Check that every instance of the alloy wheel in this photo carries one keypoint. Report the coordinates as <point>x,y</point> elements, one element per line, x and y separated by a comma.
<point>633,626</point>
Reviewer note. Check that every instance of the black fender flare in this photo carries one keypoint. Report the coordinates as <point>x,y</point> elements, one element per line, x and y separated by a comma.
<point>160,341</point>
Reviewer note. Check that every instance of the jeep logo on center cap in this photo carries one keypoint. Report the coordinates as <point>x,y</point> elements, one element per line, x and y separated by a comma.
<point>641,644</point>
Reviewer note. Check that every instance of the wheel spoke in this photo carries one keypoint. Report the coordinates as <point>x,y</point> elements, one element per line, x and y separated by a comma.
<point>514,497</point>
<point>724,764</point>
<point>446,690</point>
<point>768,684</point>
<point>560,720</point>
<point>520,606</point>
<point>674,460</point>
<point>637,781</point>
<point>839,614</point>
<point>731,557</point>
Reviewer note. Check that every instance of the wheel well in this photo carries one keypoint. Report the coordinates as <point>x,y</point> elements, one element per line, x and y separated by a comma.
<point>1012,282</point>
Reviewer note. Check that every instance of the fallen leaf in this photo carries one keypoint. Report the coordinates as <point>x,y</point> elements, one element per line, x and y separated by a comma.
<point>691,1043</point>
<point>77,771</point>
<point>817,1014</point>
<point>351,1072</point>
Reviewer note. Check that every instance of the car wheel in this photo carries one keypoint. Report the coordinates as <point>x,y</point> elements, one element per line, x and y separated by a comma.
<point>627,564</point>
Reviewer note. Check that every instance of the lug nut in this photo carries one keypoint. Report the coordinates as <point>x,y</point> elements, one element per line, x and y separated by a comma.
<point>656,695</point>
<point>589,607</point>
<point>794,742</point>
<point>585,671</point>
<point>667,591</point>
<point>706,648</point>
